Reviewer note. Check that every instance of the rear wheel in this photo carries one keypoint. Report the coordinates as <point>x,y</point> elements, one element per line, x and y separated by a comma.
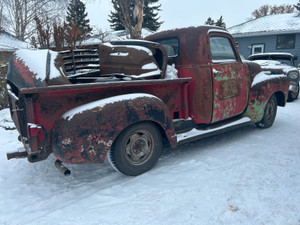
<point>269,113</point>
<point>137,149</point>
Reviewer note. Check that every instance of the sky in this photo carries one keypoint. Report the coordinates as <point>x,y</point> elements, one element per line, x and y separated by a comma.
<point>178,13</point>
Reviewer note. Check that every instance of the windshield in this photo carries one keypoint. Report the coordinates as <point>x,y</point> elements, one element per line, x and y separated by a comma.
<point>283,59</point>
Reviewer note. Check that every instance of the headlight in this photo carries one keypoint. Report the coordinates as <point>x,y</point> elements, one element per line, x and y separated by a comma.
<point>293,75</point>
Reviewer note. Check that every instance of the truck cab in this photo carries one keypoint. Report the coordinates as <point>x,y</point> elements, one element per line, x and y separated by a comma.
<point>221,80</point>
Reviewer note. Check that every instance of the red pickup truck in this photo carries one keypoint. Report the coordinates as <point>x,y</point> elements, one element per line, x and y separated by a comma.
<point>125,100</point>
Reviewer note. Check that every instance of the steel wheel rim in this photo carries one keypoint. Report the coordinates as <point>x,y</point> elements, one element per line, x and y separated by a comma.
<point>271,110</point>
<point>139,147</point>
<point>294,94</point>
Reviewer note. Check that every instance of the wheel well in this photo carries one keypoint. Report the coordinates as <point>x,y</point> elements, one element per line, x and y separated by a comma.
<point>162,132</point>
<point>280,98</point>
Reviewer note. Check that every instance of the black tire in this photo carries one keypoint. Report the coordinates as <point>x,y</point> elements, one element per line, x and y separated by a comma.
<point>293,95</point>
<point>269,113</point>
<point>137,149</point>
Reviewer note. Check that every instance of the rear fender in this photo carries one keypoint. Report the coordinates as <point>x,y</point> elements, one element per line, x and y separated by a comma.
<point>85,134</point>
<point>262,88</point>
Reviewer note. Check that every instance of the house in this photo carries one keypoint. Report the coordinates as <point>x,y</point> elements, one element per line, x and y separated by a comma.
<point>274,33</point>
<point>9,44</point>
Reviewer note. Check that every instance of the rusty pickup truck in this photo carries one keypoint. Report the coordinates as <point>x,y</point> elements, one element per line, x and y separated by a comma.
<point>124,100</point>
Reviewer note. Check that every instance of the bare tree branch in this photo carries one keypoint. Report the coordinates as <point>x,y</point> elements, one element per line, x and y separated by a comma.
<point>21,13</point>
<point>266,10</point>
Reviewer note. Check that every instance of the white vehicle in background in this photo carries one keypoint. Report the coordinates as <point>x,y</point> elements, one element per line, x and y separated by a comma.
<point>279,62</point>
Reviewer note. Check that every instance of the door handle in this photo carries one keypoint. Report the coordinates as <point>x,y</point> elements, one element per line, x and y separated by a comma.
<point>216,72</point>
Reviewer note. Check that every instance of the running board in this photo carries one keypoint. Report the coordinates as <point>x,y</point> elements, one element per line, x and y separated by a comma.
<point>196,134</point>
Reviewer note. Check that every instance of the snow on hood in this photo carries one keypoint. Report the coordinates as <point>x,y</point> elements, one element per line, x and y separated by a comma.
<point>137,47</point>
<point>262,76</point>
<point>35,68</point>
<point>273,64</point>
<point>36,61</point>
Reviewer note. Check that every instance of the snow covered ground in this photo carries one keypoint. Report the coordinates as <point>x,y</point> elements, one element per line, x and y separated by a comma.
<point>248,176</point>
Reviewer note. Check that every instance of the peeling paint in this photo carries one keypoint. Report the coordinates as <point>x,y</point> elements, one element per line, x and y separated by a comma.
<point>92,131</point>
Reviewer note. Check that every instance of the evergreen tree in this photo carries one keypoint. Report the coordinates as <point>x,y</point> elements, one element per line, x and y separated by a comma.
<point>77,17</point>
<point>209,21</point>
<point>220,22</point>
<point>150,17</point>
<point>115,22</point>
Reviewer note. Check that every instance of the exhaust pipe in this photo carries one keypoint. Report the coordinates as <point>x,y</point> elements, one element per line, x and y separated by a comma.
<point>64,170</point>
<point>17,155</point>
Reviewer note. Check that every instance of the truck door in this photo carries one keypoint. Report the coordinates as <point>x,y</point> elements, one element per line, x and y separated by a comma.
<point>228,78</point>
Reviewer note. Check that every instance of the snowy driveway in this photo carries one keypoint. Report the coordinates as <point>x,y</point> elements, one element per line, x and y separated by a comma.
<point>248,176</point>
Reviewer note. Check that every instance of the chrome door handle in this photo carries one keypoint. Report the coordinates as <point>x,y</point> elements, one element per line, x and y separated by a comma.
<point>216,72</point>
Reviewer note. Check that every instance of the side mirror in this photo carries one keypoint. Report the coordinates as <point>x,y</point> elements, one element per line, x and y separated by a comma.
<point>295,57</point>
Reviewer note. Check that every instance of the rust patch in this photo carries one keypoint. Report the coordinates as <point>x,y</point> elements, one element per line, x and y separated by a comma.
<point>228,89</point>
<point>128,61</point>
<point>87,136</point>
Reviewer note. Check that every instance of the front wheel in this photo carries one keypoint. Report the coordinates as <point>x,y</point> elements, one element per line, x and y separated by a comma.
<point>137,149</point>
<point>269,113</point>
<point>293,95</point>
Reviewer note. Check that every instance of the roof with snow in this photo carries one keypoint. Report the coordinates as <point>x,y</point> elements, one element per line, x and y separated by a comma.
<point>9,42</point>
<point>273,24</point>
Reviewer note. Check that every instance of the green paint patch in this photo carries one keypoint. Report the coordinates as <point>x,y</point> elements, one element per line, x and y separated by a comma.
<point>255,111</point>
<point>221,78</point>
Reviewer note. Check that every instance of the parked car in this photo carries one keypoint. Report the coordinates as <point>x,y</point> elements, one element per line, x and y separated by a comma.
<point>277,61</point>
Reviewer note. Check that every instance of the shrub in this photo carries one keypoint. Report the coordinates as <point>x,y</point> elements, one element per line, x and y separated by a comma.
<point>3,91</point>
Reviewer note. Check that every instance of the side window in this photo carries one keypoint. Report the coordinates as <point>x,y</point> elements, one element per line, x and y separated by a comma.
<point>171,46</point>
<point>221,50</point>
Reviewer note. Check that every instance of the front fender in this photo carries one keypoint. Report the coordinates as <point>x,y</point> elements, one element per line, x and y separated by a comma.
<point>85,133</point>
<point>262,88</point>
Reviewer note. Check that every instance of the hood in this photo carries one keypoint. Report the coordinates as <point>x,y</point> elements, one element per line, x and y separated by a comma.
<point>273,65</point>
